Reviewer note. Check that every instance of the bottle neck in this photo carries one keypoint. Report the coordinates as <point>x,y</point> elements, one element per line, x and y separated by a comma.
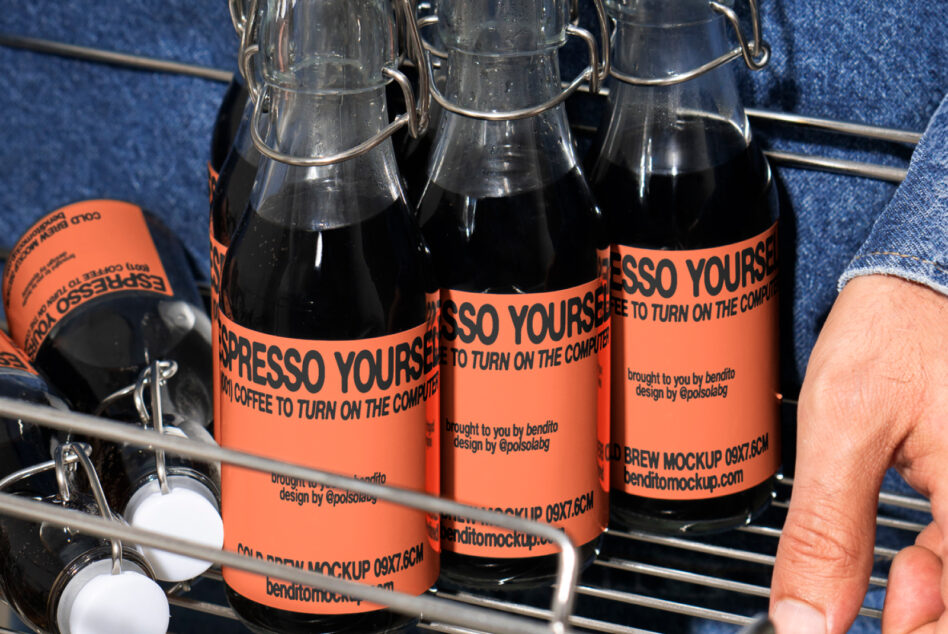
<point>492,159</point>
<point>499,83</point>
<point>675,127</point>
<point>310,125</point>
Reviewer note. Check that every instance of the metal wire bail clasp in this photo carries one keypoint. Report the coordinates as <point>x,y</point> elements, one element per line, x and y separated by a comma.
<point>756,52</point>
<point>65,457</point>
<point>238,15</point>
<point>595,73</point>
<point>156,377</point>
<point>416,110</point>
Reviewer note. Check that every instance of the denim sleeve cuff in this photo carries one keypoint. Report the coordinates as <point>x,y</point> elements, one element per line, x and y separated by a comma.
<point>910,237</point>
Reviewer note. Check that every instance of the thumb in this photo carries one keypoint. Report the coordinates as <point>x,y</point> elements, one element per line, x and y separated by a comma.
<point>824,558</point>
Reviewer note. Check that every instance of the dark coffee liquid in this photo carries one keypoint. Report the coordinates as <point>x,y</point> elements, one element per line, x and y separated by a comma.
<point>413,157</point>
<point>349,282</point>
<point>690,209</point>
<point>531,242</point>
<point>38,559</point>
<point>23,444</point>
<point>232,194</point>
<point>228,120</point>
<point>231,198</point>
<point>103,345</point>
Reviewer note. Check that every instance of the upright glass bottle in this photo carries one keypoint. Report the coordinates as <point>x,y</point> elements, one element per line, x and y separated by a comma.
<point>691,210</point>
<point>521,257</point>
<point>95,293</point>
<point>229,199</point>
<point>233,105</point>
<point>327,281</point>
<point>226,125</point>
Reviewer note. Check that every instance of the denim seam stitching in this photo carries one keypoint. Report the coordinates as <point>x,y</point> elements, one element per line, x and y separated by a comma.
<point>903,255</point>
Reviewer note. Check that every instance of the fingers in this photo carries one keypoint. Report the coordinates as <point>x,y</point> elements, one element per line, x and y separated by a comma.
<point>825,553</point>
<point>913,601</point>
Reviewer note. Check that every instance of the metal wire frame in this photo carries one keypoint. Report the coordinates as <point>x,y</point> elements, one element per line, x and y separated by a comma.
<point>451,612</point>
<point>455,614</point>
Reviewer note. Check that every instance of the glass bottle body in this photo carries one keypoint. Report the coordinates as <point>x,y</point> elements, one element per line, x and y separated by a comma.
<point>226,126</point>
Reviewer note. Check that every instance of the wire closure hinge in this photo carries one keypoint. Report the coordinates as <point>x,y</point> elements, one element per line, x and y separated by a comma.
<point>595,73</point>
<point>156,377</point>
<point>756,52</point>
<point>65,458</point>
<point>416,112</point>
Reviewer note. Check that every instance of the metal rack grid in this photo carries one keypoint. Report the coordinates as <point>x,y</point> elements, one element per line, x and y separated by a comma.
<point>639,583</point>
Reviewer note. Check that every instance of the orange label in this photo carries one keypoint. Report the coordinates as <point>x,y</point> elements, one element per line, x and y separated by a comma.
<point>521,414</point>
<point>72,256</point>
<point>358,408</point>
<point>212,177</point>
<point>218,252</point>
<point>694,402</point>
<point>12,358</point>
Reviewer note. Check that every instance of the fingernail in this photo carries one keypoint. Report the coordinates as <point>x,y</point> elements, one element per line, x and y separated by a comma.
<point>796,617</point>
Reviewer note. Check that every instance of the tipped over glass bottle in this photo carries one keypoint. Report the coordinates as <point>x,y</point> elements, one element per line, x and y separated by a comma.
<point>96,293</point>
<point>62,581</point>
<point>233,105</point>
<point>691,210</point>
<point>328,279</point>
<point>520,255</point>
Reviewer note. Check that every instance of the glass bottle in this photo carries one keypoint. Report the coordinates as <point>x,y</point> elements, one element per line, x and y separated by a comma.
<point>233,105</point>
<point>520,255</point>
<point>327,278</point>
<point>60,581</point>
<point>226,126</point>
<point>691,209</point>
<point>413,152</point>
<point>94,312</point>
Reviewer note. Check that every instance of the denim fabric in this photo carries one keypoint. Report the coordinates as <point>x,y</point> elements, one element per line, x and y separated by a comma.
<point>910,238</point>
<point>75,130</point>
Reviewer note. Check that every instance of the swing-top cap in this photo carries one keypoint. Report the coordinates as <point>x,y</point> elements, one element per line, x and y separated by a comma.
<point>187,511</point>
<point>96,601</point>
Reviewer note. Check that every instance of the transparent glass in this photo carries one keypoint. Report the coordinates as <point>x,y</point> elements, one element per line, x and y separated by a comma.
<point>675,167</point>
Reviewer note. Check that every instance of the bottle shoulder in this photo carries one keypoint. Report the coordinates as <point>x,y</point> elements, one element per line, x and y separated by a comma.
<point>691,203</point>
<point>348,281</point>
<point>544,239</point>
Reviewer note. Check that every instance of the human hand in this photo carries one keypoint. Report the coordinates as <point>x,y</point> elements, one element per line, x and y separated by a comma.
<point>875,395</point>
